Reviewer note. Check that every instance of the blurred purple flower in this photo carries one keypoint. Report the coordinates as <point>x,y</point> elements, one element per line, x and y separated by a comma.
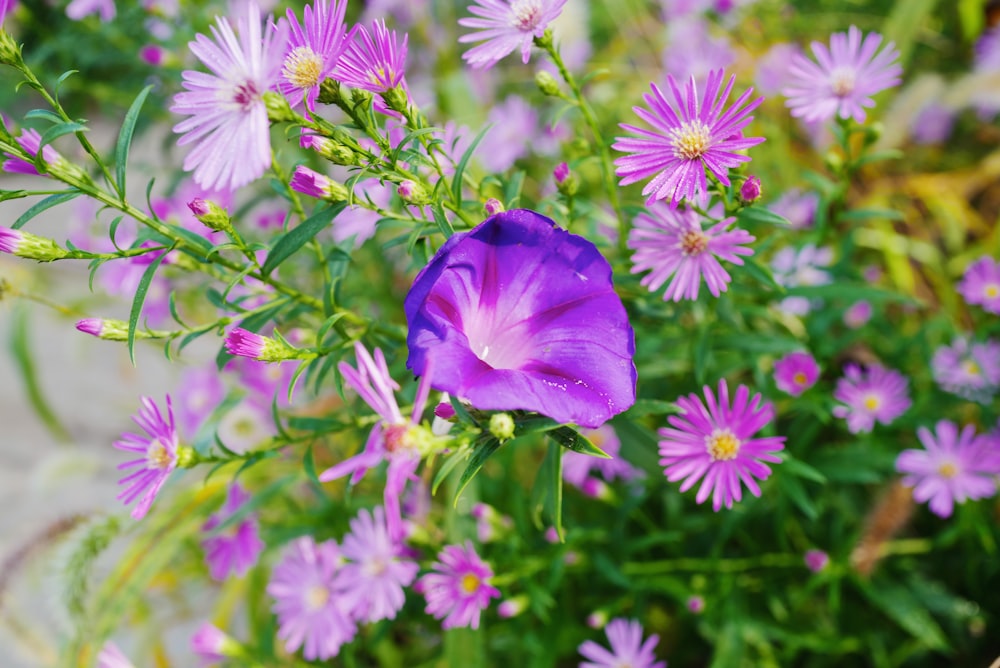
<point>78,9</point>
<point>848,73</point>
<point>798,207</point>
<point>875,394</point>
<point>517,313</point>
<point>795,373</point>
<point>310,609</point>
<point>980,284</point>
<point>313,49</point>
<point>112,657</point>
<point>577,467</point>
<point>228,119</point>
<point>212,644</point>
<point>157,451</point>
<point>717,443</point>
<point>692,52</point>
<point>690,135</point>
<point>505,26</point>
<point>932,124</point>
<point>246,426</point>
<point>987,51</point>
<point>673,244</point>
<point>233,550</point>
<point>458,589</point>
<point>970,370</point>
<point>858,314</point>
<point>627,648</point>
<point>801,267</point>
<point>816,560</point>
<point>952,467</point>
<point>514,125</point>
<point>773,68</point>
<point>30,140</point>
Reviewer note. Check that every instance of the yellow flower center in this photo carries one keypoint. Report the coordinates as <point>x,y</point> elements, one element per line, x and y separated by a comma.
<point>525,14</point>
<point>948,470</point>
<point>842,81</point>
<point>971,368</point>
<point>992,290</point>
<point>722,445</point>
<point>690,140</point>
<point>303,67</point>
<point>694,242</point>
<point>317,597</point>
<point>158,456</point>
<point>799,378</point>
<point>871,402</point>
<point>470,583</point>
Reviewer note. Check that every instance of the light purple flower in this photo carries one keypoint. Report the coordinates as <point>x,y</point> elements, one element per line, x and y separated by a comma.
<point>392,439</point>
<point>798,207</point>
<point>695,604</point>
<point>310,608</point>
<point>845,78</point>
<point>374,61</point>
<point>313,49</point>
<point>6,6</point>
<point>30,140</point>
<point>577,468</point>
<point>10,240</point>
<point>235,549</point>
<point>689,136</point>
<point>505,26</point>
<point>153,54</point>
<point>795,373</point>
<point>514,125</point>
<point>244,343</point>
<point>793,268</point>
<point>816,560</point>
<point>875,394</point>
<point>200,391</point>
<point>518,313</point>
<point>951,468</point>
<point>112,657</point>
<point>627,648</point>
<point>372,581</point>
<point>458,589</point>
<point>858,314</point>
<point>981,284</point>
<point>773,67</point>
<point>210,643</point>
<point>78,9</point>
<point>932,124</point>
<point>673,244</point>
<point>692,52</point>
<point>717,443</point>
<point>970,370</point>
<point>987,51</point>
<point>158,450</point>
<point>228,118</point>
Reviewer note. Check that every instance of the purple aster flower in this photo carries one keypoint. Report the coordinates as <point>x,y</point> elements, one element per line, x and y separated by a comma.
<point>981,284</point>
<point>244,343</point>
<point>518,313</point>
<point>235,549</point>
<point>210,643</point>
<point>200,391</point>
<point>969,370</point>
<point>795,373</point>
<point>514,125</point>
<point>392,439</point>
<point>801,267</point>
<point>845,78</point>
<point>874,394</point>
<point>158,451</point>
<point>78,9</point>
<point>717,443</point>
<point>374,61</point>
<point>692,52</point>
<point>773,66</point>
<point>372,581</point>
<point>504,26</point>
<point>314,47</point>
<point>951,468</point>
<point>458,590</point>
<point>577,467</point>
<point>627,648</point>
<point>798,207</point>
<point>673,244</point>
<point>816,560</point>
<point>228,118</point>
<point>310,608</point>
<point>689,136</point>
<point>30,140</point>
<point>858,314</point>
<point>112,657</point>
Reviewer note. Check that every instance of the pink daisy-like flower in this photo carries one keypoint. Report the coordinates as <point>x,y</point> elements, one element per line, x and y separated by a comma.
<point>689,135</point>
<point>504,26</point>
<point>627,648</point>
<point>314,47</point>
<point>458,590</point>
<point>874,394</point>
<point>843,79</point>
<point>981,284</point>
<point>716,443</point>
<point>795,373</point>
<point>158,451</point>
<point>372,581</point>
<point>235,549</point>
<point>970,370</point>
<point>392,439</point>
<point>228,118</point>
<point>951,468</point>
<point>373,61</point>
<point>310,608</point>
<point>673,243</point>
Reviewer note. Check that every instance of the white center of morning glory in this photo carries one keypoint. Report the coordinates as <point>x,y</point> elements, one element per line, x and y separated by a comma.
<point>722,445</point>
<point>525,15</point>
<point>690,140</point>
<point>842,81</point>
<point>303,67</point>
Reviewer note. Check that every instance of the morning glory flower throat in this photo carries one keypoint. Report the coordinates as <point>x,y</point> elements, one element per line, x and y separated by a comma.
<point>518,313</point>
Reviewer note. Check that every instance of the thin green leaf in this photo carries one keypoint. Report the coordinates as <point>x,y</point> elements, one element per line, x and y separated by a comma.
<point>901,606</point>
<point>480,453</point>
<point>446,228</point>
<point>125,138</point>
<point>53,133</point>
<point>456,182</point>
<point>298,236</point>
<point>20,348</point>
<point>449,465</point>
<point>571,439</point>
<point>757,214</point>
<point>866,214</point>
<point>140,297</point>
<point>44,205</point>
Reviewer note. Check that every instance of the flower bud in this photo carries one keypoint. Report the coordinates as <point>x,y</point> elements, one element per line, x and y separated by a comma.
<point>210,214</point>
<point>566,181</point>
<point>412,192</point>
<point>361,98</point>
<point>598,619</point>
<point>396,99</point>
<point>547,84</point>
<point>115,330</point>
<point>750,191</point>
<point>244,343</point>
<point>10,52</point>
<point>493,206</point>
<point>512,607</point>
<point>816,560</point>
<point>329,92</point>
<point>29,246</point>
<point>502,426</point>
<point>278,109</point>
<point>212,644</point>
<point>314,184</point>
<point>696,604</point>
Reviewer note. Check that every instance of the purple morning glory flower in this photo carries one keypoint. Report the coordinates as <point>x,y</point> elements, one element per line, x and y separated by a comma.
<point>518,313</point>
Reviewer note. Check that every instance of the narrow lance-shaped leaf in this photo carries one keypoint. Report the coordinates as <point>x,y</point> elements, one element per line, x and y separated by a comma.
<point>140,297</point>
<point>125,138</point>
